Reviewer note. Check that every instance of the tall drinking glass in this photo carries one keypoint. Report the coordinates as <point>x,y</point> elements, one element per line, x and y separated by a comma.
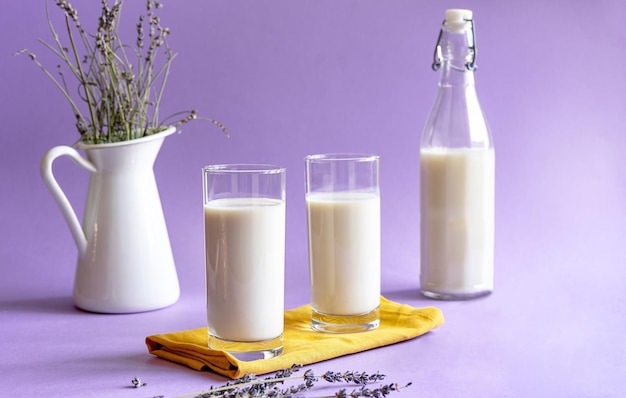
<point>343,213</point>
<point>244,227</point>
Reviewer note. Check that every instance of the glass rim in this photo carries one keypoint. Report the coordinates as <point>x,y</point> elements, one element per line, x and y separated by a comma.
<point>342,156</point>
<point>235,168</point>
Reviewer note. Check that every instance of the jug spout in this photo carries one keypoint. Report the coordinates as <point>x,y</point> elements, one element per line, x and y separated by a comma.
<point>57,193</point>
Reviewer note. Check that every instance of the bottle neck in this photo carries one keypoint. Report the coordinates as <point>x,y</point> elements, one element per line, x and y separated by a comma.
<point>456,119</point>
<point>457,57</point>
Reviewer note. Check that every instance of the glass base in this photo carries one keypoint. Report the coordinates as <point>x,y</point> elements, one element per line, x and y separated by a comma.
<point>455,296</point>
<point>248,350</point>
<point>345,323</point>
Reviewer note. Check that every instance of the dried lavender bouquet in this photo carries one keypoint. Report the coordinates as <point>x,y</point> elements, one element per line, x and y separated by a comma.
<point>117,87</point>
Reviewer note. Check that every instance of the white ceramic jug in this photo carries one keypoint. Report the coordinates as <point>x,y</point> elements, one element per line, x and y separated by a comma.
<point>125,261</point>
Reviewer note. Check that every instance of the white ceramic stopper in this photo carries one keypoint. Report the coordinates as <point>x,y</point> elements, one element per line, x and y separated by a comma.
<point>457,18</point>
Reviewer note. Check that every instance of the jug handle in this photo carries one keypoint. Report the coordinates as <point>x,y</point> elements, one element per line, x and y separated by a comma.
<point>57,193</point>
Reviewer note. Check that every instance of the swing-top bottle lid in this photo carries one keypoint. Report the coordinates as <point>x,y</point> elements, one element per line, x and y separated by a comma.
<point>457,18</point>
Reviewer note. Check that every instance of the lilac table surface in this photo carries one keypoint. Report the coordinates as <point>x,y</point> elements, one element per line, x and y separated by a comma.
<point>290,78</point>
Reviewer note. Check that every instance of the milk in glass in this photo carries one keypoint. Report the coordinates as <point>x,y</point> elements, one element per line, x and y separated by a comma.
<point>344,252</point>
<point>245,254</point>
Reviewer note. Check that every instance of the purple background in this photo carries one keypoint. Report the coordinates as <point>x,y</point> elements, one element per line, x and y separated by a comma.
<point>291,78</point>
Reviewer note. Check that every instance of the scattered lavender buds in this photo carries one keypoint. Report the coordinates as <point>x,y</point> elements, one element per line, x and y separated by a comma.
<point>249,386</point>
<point>137,382</point>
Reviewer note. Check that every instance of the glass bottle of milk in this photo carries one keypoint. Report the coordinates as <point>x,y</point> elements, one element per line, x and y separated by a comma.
<point>457,174</point>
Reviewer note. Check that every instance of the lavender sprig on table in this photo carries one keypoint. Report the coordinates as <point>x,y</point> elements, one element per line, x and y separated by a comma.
<point>250,386</point>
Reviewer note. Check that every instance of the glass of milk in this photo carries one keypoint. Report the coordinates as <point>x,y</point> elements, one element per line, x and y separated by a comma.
<point>343,214</point>
<point>244,229</point>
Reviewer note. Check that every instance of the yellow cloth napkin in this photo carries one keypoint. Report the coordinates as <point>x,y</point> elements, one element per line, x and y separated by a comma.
<point>302,345</point>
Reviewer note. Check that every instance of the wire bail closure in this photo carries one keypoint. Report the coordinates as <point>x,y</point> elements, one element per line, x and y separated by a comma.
<point>469,65</point>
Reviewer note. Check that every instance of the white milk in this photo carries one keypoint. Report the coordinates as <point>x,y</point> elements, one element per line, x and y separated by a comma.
<point>245,264</point>
<point>344,252</point>
<point>457,220</point>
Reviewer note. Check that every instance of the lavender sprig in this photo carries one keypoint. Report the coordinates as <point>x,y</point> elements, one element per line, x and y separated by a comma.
<point>352,377</point>
<point>249,386</point>
<point>379,392</point>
